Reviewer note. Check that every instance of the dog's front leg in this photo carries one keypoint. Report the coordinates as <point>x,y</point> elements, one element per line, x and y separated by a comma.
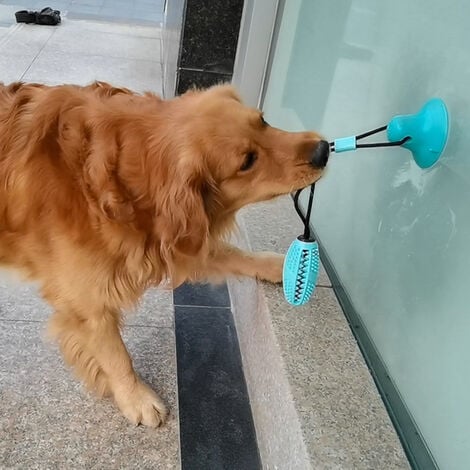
<point>228,260</point>
<point>94,348</point>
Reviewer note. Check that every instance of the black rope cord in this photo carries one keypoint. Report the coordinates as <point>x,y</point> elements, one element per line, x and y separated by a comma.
<point>374,145</point>
<point>306,219</point>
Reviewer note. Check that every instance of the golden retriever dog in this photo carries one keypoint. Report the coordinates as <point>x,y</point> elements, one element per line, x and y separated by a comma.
<point>105,192</point>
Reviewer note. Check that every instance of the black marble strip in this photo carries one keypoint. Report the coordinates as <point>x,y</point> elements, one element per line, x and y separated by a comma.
<point>216,424</point>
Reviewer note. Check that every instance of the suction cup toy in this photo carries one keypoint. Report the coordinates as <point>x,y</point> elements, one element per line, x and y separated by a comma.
<point>424,134</point>
<point>428,131</point>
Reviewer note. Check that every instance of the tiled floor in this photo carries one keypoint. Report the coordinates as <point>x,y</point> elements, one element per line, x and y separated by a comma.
<point>47,420</point>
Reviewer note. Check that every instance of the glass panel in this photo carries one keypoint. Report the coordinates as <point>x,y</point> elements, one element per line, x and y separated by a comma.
<point>397,235</point>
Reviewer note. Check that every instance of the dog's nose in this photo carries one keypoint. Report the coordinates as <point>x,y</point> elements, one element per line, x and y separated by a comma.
<point>319,156</point>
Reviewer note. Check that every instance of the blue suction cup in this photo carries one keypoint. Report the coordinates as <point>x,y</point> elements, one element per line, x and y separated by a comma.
<point>300,272</point>
<point>428,131</point>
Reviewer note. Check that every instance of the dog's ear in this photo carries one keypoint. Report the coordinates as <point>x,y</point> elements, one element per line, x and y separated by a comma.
<point>181,220</point>
<point>103,185</point>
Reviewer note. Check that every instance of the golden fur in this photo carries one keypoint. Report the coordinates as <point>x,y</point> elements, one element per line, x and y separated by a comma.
<point>104,192</point>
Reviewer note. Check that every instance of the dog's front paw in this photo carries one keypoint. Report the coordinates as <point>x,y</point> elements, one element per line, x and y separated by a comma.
<point>270,267</point>
<point>141,405</point>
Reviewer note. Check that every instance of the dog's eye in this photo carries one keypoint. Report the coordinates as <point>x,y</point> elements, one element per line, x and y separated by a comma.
<point>263,121</point>
<point>250,159</point>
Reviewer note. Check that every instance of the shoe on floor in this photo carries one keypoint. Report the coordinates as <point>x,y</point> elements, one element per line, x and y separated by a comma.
<point>47,16</point>
<point>25,16</point>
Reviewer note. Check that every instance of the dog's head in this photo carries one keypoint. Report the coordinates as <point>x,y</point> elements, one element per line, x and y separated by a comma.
<point>221,156</point>
<point>246,159</point>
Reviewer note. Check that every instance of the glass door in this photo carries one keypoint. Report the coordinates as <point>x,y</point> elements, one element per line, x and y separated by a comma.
<point>397,236</point>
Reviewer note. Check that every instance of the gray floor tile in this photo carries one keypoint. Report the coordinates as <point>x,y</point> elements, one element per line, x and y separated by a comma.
<point>136,31</point>
<point>88,9</point>
<point>7,14</point>
<point>147,10</point>
<point>124,12</point>
<point>48,421</point>
<point>155,309</point>
<point>27,40</point>
<point>147,16</point>
<point>38,5</point>
<point>105,44</point>
<point>138,75</point>
<point>61,5</point>
<point>21,301</point>
<point>76,3</point>
<point>13,68</point>
<point>336,397</point>
<point>116,3</point>
<point>18,49</point>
